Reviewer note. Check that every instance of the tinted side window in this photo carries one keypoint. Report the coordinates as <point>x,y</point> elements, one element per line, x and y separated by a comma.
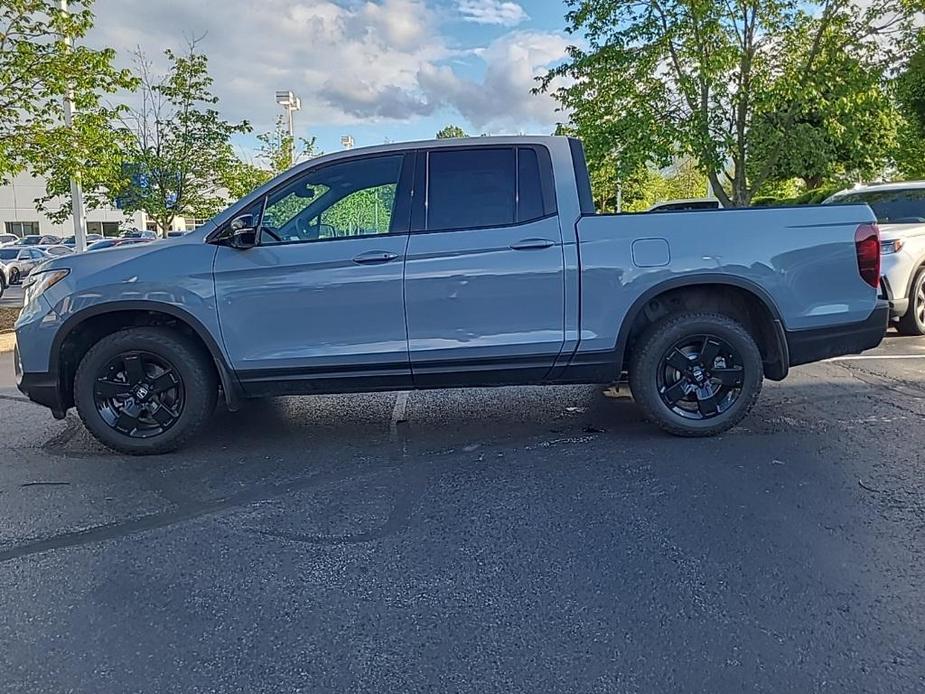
<point>341,200</point>
<point>529,187</point>
<point>471,188</point>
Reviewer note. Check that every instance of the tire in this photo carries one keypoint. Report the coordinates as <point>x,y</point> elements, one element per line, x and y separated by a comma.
<point>14,276</point>
<point>144,391</point>
<point>913,323</point>
<point>710,396</point>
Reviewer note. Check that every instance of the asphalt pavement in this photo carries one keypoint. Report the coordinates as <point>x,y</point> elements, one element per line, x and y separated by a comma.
<point>514,540</point>
<point>12,297</point>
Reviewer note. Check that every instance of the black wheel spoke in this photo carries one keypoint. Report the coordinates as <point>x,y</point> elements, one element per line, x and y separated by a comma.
<point>677,360</point>
<point>106,388</point>
<point>709,352</point>
<point>134,369</point>
<point>127,420</point>
<point>163,416</point>
<point>731,377</point>
<point>164,382</point>
<point>709,406</point>
<point>674,393</point>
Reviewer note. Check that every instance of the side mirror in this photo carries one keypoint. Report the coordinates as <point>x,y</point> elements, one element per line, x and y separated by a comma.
<point>243,232</point>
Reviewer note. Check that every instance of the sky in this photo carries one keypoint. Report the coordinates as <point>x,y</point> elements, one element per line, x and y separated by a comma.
<point>378,70</point>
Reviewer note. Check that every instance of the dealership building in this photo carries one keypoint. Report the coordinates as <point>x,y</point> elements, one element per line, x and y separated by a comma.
<point>19,216</point>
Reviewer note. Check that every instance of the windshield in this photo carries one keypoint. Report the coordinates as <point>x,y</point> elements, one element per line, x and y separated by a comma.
<point>890,206</point>
<point>8,253</point>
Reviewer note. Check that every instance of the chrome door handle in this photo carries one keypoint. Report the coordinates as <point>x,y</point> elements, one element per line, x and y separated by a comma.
<point>532,244</point>
<point>375,258</point>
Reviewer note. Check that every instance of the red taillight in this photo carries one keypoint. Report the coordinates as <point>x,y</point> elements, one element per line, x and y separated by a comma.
<point>867,244</point>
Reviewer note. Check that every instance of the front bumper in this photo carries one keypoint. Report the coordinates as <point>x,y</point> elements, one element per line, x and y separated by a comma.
<point>42,388</point>
<point>807,346</point>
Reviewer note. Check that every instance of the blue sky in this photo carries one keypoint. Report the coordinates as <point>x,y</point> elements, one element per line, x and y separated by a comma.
<point>373,69</point>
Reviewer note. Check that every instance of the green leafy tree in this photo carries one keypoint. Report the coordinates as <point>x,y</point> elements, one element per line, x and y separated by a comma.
<point>450,132</point>
<point>910,92</point>
<point>838,128</point>
<point>37,69</point>
<point>178,152</point>
<point>274,156</point>
<point>669,77</point>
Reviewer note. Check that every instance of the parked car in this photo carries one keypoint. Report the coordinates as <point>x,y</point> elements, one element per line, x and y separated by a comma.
<point>112,243</point>
<point>19,262</point>
<point>8,238</point>
<point>37,240</point>
<point>900,210</point>
<point>337,277</point>
<point>72,240</point>
<point>4,281</point>
<point>138,234</point>
<point>687,205</point>
<point>55,251</point>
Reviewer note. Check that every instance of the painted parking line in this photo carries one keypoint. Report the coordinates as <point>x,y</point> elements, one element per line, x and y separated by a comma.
<point>861,357</point>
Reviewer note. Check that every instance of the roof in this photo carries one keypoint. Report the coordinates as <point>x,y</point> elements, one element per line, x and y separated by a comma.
<point>485,141</point>
<point>898,185</point>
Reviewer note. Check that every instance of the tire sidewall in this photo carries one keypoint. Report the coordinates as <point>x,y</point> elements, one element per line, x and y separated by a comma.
<point>198,385</point>
<point>913,300</point>
<point>661,337</point>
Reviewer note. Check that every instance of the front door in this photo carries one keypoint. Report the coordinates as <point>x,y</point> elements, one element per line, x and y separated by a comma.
<point>318,304</point>
<point>484,276</point>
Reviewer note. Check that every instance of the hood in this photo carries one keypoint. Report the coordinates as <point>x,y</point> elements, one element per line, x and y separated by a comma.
<point>891,232</point>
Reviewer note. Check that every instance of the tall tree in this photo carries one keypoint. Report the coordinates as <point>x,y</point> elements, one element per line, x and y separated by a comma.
<point>274,156</point>
<point>179,151</point>
<point>37,69</point>
<point>910,91</point>
<point>451,131</point>
<point>694,77</point>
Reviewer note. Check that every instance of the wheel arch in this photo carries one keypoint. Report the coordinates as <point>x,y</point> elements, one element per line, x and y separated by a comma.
<point>722,292</point>
<point>83,328</point>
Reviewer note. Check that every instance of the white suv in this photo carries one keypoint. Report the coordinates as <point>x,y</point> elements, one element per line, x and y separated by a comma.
<point>900,211</point>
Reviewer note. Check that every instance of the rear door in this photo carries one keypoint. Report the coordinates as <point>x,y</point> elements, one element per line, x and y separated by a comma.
<point>484,275</point>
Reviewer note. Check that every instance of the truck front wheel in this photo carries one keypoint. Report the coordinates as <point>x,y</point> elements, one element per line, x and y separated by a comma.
<point>696,374</point>
<point>145,390</point>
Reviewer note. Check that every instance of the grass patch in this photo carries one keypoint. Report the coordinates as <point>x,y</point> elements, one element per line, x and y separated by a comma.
<point>7,318</point>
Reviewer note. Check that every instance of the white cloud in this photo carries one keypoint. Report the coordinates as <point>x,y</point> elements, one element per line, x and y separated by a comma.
<point>502,99</point>
<point>358,62</point>
<point>501,12</point>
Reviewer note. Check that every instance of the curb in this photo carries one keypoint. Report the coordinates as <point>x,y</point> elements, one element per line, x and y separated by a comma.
<point>7,340</point>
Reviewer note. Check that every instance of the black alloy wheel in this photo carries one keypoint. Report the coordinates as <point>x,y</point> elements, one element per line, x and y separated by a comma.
<point>139,394</point>
<point>700,377</point>
<point>696,374</point>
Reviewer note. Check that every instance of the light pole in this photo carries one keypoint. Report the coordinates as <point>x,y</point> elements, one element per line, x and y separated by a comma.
<point>77,196</point>
<point>290,102</point>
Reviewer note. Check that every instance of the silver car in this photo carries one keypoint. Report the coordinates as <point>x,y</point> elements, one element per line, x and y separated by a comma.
<point>18,261</point>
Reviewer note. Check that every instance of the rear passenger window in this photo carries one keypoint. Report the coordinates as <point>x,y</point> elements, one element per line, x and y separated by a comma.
<point>530,189</point>
<point>471,188</point>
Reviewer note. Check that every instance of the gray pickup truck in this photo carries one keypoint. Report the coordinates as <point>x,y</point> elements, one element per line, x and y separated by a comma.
<point>446,264</point>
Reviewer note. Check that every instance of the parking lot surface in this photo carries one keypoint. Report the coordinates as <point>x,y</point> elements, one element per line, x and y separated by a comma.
<point>541,539</point>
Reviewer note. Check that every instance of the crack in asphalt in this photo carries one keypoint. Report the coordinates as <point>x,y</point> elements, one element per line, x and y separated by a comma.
<point>155,521</point>
<point>399,517</point>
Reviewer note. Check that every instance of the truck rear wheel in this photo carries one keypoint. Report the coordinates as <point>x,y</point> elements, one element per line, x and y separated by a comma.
<point>696,374</point>
<point>144,391</point>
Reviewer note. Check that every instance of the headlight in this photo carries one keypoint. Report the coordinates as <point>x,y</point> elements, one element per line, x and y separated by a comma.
<point>887,247</point>
<point>37,282</point>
